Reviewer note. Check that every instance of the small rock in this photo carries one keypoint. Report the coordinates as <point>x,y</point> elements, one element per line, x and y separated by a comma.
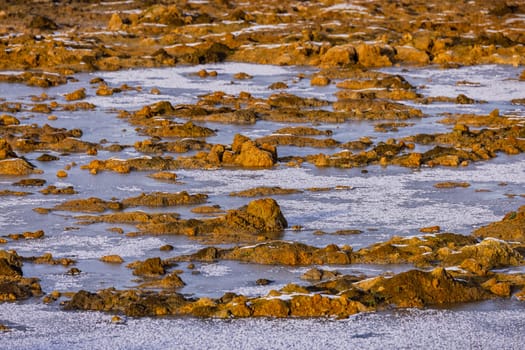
<point>6,120</point>
<point>347,232</point>
<point>73,271</point>
<point>502,289</point>
<point>164,175</point>
<point>61,173</point>
<point>319,80</point>
<point>278,86</point>
<point>203,73</point>
<point>76,95</point>
<point>242,76</point>
<point>47,158</point>
<point>58,191</point>
<point>149,267</point>
<point>96,80</point>
<point>464,100</point>
<point>207,209</point>
<point>18,167</point>
<point>30,182</point>
<point>115,22</point>
<point>116,230</point>
<point>430,229</point>
<point>117,320</point>
<point>33,235</point>
<point>42,23</point>
<point>451,184</point>
<point>312,275</point>
<point>263,282</point>
<point>112,259</point>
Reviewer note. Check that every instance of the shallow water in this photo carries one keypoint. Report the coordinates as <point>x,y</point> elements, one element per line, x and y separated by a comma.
<point>382,203</point>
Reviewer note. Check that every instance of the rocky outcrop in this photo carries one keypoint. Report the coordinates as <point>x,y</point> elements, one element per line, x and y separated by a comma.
<point>510,228</point>
<point>124,166</point>
<point>259,220</point>
<point>410,289</point>
<point>32,137</point>
<point>164,35</point>
<point>416,250</point>
<point>243,153</point>
<point>342,55</point>
<point>149,268</point>
<point>76,95</point>
<point>276,253</point>
<point>132,303</point>
<point>419,288</point>
<point>92,204</point>
<point>10,264</point>
<point>11,164</point>
<point>163,199</point>
<point>484,256</point>
<point>331,294</point>
<point>264,191</point>
<point>155,199</point>
<point>17,167</point>
<point>443,249</point>
<point>12,285</point>
<point>299,141</point>
<point>247,153</point>
<point>169,282</point>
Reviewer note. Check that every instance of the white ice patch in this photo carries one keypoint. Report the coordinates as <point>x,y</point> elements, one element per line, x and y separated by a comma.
<point>92,247</point>
<point>215,270</point>
<point>298,178</point>
<point>130,189</point>
<point>390,200</point>
<point>513,172</point>
<point>180,85</point>
<point>255,291</point>
<point>493,82</point>
<point>262,28</point>
<point>346,7</point>
<point>10,202</point>
<point>65,282</point>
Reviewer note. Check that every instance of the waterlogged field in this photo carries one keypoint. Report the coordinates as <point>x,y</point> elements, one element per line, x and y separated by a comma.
<point>375,202</point>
